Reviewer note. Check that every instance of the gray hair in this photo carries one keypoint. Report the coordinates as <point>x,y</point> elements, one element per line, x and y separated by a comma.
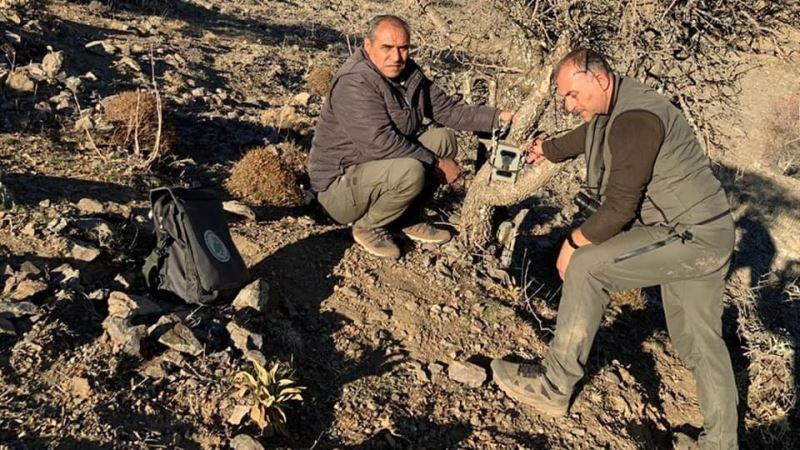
<point>394,20</point>
<point>586,60</point>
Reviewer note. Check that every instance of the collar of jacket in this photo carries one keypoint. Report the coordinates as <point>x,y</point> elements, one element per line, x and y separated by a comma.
<point>614,95</point>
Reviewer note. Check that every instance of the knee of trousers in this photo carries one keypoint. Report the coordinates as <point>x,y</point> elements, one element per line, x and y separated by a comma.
<point>584,263</point>
<point>444,142</point>
<point>450,143</point>
<point>407,175</point>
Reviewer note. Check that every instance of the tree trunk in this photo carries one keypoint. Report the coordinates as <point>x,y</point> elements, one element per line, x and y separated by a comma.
<point>482,197</point>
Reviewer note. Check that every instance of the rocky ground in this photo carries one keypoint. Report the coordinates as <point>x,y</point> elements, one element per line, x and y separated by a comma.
<point>392,354</point>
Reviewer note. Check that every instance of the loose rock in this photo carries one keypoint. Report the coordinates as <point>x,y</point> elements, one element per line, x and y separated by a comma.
<point>245,442</point>
<point>90,206</point>
<point>125,337</point>
<point>244,339</point>
<point>123,305</point>
<point>181,338</point>
<point>255,295</point>
<point>467,373</point>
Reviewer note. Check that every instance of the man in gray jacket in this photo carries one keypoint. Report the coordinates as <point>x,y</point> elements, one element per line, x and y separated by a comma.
<point>663,219</point>
<point>372,160</point>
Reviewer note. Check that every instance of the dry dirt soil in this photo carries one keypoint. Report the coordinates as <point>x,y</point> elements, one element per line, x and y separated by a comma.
<point>377,344</point>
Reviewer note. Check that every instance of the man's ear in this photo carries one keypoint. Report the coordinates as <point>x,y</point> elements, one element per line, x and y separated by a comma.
<point>367,44</point>
<point>603,79</point>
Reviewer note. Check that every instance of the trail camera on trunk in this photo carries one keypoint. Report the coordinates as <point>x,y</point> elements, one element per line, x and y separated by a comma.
<point>195,258</point>
<point>506,162</point>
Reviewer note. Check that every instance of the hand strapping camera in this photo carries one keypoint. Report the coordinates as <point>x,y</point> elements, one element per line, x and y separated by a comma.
<point>535,152</point>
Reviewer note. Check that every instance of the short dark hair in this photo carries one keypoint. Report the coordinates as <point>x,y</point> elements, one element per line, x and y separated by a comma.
<point>379,19</point>
<point>586,60</point>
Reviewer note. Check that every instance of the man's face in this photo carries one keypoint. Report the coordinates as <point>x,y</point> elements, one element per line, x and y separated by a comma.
<point>585,93</point>
<point>388,49</point>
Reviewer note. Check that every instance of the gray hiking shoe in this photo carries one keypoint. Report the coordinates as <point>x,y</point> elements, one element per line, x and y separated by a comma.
<point>376,242</point>
<point>528,384</point>
<point>427,234</point>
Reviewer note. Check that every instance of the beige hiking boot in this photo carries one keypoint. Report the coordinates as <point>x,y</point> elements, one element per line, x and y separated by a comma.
<point>427,234</point>
<point>376,242</point>
<point>528,384</point>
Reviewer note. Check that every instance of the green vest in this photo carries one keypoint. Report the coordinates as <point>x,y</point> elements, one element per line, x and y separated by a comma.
<point>682,190</point>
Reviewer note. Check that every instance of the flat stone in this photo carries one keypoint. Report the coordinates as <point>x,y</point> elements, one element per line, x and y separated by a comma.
<point>245,442</point>
<point>255,296</point>
<point>239,208</point>
<point>466,373</point>
<point>244,339</point>
<point>26,289</point>
<point>256,356</point>
<point>30,268</point>
<point>163,324</point>
<point>154,369</point>
<point>124,305</point>
<point>83,251</point>
<point>18,309</point>
<point>66,276</point>
<point>90,206</point>
<point>238,413</point>
<point>125,337</point>
<point>181,338</point>
<point>436,368</point>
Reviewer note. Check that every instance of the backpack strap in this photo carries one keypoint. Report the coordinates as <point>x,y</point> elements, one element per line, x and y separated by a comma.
<point>153,262</point>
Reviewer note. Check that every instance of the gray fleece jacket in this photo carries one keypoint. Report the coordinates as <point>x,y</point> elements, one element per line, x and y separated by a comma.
<point>368,117</point>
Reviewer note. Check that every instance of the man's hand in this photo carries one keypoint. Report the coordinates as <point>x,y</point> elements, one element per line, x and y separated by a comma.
<point>535,153</point>
<point>506,117</point>
<point>447,170</point>
<point>565,255</point>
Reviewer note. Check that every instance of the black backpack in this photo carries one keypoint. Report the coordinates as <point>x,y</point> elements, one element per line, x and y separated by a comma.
<point>194,257</point>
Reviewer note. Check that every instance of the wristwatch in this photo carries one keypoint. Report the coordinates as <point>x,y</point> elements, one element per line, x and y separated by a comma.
<point>571,241</point>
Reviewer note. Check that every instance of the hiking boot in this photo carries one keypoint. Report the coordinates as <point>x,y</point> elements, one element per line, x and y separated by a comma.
<point>527,383</point>
<point>427,234</point>
<point>376,242</point>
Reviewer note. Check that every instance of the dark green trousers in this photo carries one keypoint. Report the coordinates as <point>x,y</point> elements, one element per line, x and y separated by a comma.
<point>692,279</point>
<point>376,193</point>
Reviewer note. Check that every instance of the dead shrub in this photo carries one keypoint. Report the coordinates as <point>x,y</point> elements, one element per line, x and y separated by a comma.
<point>319,80</point>
<point>134,117</point>
<point>263,178</point>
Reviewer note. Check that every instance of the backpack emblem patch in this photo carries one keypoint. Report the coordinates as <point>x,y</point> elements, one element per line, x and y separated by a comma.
<point>216,247</point>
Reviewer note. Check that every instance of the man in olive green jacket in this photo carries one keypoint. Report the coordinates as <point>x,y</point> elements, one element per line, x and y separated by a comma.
<point>371,156</point>
<point>663,219</point>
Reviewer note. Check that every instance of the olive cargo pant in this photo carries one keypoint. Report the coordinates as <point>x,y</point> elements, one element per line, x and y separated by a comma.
<point>376,193</point>
<point>692,278</point>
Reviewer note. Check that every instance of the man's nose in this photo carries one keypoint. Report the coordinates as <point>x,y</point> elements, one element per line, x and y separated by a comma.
<point>569,104</point>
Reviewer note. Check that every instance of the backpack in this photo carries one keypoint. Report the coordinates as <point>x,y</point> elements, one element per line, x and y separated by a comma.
<point>195,258</point>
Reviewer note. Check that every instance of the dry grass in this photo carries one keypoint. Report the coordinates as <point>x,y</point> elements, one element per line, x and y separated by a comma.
<point>264,178</point>
<point>634,298</point>
<point>783,135</point>
<point>134,115</point>
<point>771,390</point>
